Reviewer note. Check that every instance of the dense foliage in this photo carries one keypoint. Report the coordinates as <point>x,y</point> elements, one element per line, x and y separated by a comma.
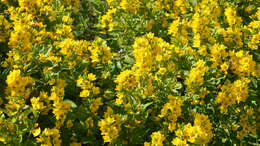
<point>129,72</point>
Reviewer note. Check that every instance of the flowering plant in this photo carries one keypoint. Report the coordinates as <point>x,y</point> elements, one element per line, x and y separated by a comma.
<point>129,72</point>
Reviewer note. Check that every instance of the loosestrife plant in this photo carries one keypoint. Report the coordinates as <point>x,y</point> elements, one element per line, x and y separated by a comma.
<point>129,72</point>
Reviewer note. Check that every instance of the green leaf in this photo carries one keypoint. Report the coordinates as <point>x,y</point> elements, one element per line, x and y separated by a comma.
<point>254,81</point>
<point>194,2</point>
<point>118,65</point>
<point>144,106</point>
<point>129,59</point>
<point>226,130</point>
<point>73,104</point>
<point>224,140</point>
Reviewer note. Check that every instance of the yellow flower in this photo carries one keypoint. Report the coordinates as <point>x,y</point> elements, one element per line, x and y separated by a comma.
<point>157,138</point>
<point>178,142</point>
<point>96,90</point>
<point>13,78</point>
<point>195,78</point>
<point>162,70</point>
<point>84,93</point>
<point>110,127</point>
<point>89,122</point>
<point>109,1</point>
<point>200,133</point>
<point>95,105</point>
<point>91,77</point>
<point>119,101</point>
<point>36,104</point>
<point>79,81</point>
<point>36,132</point>
<point>196,42</point>
<point>173,29</point>
<point>126,79</point>
<point>2,139</point>
<point>224,67</point>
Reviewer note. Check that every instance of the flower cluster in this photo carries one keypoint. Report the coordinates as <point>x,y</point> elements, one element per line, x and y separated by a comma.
<point>199,133</point>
